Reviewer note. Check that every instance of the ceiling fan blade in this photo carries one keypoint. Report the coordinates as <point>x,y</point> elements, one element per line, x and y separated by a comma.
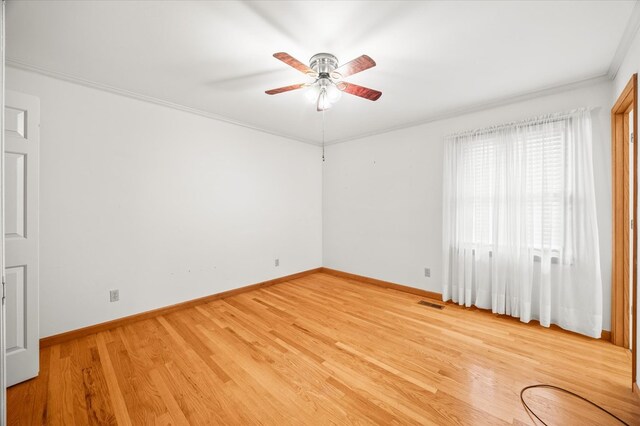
<point>357,65</point>
<point>285,89</point>
<point>294,63</point>
<point>363,92</point>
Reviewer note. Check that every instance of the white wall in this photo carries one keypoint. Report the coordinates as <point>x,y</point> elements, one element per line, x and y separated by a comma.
<point>629,66</point>
<point>115,171</point>
<point>382,195</point>
<point>165,205</point>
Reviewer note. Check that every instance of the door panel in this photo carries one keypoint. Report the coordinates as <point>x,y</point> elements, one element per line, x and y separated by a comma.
<point>15,180</point>
<point>16,309</point>
<point>21,149</point>
<point>15,121</point>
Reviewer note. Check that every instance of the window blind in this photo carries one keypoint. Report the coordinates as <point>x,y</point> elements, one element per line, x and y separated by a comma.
<point>537,178</point>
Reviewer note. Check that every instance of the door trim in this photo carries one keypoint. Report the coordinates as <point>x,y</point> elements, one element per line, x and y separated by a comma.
<point>3,345</point>
<point>622,254</point>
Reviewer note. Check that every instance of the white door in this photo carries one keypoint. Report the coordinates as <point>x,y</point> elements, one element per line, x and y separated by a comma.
<point>21,146</point>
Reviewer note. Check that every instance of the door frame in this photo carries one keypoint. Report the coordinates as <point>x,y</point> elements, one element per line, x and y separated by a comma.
<point>3,364</point>
<point>624,256</point>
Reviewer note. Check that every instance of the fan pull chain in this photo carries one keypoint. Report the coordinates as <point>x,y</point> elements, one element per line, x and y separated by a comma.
<point>323,135</point>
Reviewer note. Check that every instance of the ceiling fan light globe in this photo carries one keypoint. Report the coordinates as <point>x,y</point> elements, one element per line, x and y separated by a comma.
<point>324,102</point>
<point>333,93</point>
<point>312,94</point>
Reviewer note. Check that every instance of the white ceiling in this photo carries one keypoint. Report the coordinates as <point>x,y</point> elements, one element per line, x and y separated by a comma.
<point>433,57</point>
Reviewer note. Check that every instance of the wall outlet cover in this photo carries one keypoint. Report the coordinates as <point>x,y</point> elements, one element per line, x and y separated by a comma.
<point>114,295</point>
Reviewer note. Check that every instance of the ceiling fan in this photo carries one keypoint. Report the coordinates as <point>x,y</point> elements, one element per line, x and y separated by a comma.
<point>328,86</point>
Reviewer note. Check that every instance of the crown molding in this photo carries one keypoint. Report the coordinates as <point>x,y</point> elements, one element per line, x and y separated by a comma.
<point>546,91</point>
<point>145,98</point>
<point>429,119</point>
<point>625,42</point>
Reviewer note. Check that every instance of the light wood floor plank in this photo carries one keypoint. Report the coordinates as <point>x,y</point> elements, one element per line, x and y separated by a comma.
<point>324,350</point>
<point>118,402</point>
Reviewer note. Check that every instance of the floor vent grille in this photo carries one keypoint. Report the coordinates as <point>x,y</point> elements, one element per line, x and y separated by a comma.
<point>431,305</point>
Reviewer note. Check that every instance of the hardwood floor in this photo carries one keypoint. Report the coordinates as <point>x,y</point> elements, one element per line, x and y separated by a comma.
<point>324,350</point>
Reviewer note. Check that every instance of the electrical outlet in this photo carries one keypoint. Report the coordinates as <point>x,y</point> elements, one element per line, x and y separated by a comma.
<point>277,262</point>
<point>427,272</point>
<point>114,295</point>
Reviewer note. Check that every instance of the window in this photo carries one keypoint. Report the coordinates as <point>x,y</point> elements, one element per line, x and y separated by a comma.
<point>520,233</point>
<point>528,175</point>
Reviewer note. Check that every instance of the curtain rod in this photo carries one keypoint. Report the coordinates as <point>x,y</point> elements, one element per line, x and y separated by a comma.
<point>534,120</point>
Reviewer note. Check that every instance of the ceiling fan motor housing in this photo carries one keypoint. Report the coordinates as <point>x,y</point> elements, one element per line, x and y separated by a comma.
<point>324,64</point>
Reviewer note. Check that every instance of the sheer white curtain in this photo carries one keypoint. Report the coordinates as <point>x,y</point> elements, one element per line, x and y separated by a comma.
<point>520,235</point>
